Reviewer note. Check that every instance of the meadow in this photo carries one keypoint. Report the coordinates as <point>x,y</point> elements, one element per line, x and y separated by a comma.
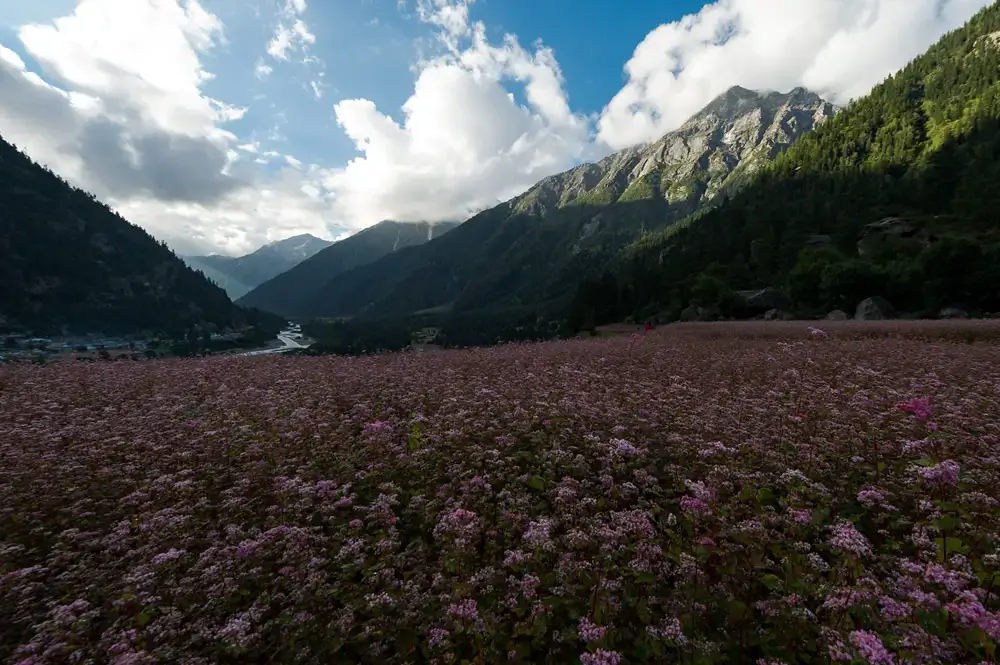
<point>714,493</point>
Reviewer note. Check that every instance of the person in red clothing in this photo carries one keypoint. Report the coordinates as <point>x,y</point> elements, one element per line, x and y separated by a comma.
<point>649,326</point>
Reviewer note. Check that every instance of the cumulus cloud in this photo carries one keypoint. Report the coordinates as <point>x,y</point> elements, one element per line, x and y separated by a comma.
<point>465,141</point>
<point>837,48</point>
<point>125,117</point>
<point>131,121</point>
<point>122,110</point>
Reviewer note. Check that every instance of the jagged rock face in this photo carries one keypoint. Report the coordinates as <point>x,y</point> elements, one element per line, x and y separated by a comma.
<point>718,148</point>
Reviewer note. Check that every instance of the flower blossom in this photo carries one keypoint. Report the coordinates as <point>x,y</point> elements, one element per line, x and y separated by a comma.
<point>918,406</point>
<point>846,537</point>
<point>945,473</point>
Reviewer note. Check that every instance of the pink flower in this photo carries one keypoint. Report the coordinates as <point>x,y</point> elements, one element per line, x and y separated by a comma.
<point>465,609</point>
<point>601,657</point>
<point>918,406</point>
<point>945,473</point>
<point>437,636</point>
<point>800,516</point>
<point>169,555</point>
<point>846,537</point>
<point>870,648</point>
<point>694,506</point>
<point>589,631</point>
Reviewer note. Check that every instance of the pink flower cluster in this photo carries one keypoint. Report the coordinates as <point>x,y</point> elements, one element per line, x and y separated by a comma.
<point>711,493</point>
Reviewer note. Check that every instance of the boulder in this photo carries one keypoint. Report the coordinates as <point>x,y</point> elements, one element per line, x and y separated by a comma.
<point>837,315</point>
<point>953,313</point>
<point>818,240</point>
<point>695,313</point>
<point>764,299</point>
<point>873,309</point>
<point>891,226</point>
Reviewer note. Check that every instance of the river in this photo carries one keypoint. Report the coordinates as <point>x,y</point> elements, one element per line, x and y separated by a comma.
<point>289,339</point>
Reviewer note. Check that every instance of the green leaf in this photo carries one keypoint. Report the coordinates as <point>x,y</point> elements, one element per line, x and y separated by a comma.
<point>771,581</point>
<point>955,546</point>
<point>737,609</point>
<point>537,483</point>
<point>947,523</point>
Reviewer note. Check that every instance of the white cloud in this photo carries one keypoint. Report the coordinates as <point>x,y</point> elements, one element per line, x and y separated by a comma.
<point>126,118</point>
<point>261,70</point>
<point>465,142</point>
<point>289,37</point>
<point>123,112</point>
<point>838,48</point>
<point>291,33</point>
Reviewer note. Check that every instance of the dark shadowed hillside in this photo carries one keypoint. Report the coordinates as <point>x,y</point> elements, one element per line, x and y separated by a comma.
<point>67,260</point>
<point>290,293</point>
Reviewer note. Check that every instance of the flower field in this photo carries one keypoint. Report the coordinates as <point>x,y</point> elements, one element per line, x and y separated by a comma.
<point>703,494</point>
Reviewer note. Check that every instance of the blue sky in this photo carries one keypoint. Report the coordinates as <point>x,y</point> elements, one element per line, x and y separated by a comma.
<point>369,46</point>
<point>220,125</point>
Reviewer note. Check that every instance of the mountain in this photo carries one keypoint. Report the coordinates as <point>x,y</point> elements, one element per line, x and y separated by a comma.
<point>214,268</point>
<point>67,260</point>
<point>535,248</point>
<point>291,293</point>
<point>895,197</point>
<point>239,275</point>
<point>718,148</point>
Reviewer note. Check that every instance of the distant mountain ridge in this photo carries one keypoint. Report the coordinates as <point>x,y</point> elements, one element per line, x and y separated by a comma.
<point>239,275</point>
<point>291,293</point>
<point>67,261</point>
<point>536,247</point>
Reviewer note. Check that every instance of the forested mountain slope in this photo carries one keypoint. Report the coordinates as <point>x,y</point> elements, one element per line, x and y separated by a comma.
<point>67,260</point>
<point>533,249</point>
<point>292,292</point>
<point>895,197</point>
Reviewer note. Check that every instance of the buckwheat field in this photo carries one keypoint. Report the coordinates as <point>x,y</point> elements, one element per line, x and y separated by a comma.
<point>727,493</point>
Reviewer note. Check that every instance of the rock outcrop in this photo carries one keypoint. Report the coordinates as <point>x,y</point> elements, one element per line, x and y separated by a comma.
<point>953,313</point>
<point>762,300</point>
<point>715,150</point>
<point>873,309</point>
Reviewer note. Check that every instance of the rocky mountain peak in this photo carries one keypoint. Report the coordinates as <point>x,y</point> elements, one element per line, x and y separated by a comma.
<point>716,149</point>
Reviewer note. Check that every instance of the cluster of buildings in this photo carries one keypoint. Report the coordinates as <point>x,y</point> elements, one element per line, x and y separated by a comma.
<point>22,347</point>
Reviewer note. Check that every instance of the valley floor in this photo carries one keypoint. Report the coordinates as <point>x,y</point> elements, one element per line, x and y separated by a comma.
<point>701,493</point>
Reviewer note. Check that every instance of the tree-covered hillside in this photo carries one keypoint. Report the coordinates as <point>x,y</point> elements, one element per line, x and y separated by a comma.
<point>302,290</point>
<point>533,250</point>
<point>67,260</point>
<point>897,196</point>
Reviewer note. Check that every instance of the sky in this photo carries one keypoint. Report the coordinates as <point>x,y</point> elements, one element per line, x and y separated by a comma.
<point>221,125</point>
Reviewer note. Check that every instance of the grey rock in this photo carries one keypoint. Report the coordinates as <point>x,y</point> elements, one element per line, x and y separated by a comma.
<point>953,313</point>
<point>817,240</point>
<point>873,309</point>
<point>695,313</point>
<point>716,150</point>
<point>837,315</point>
<point>764,299</point>
<point>891,226</point>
